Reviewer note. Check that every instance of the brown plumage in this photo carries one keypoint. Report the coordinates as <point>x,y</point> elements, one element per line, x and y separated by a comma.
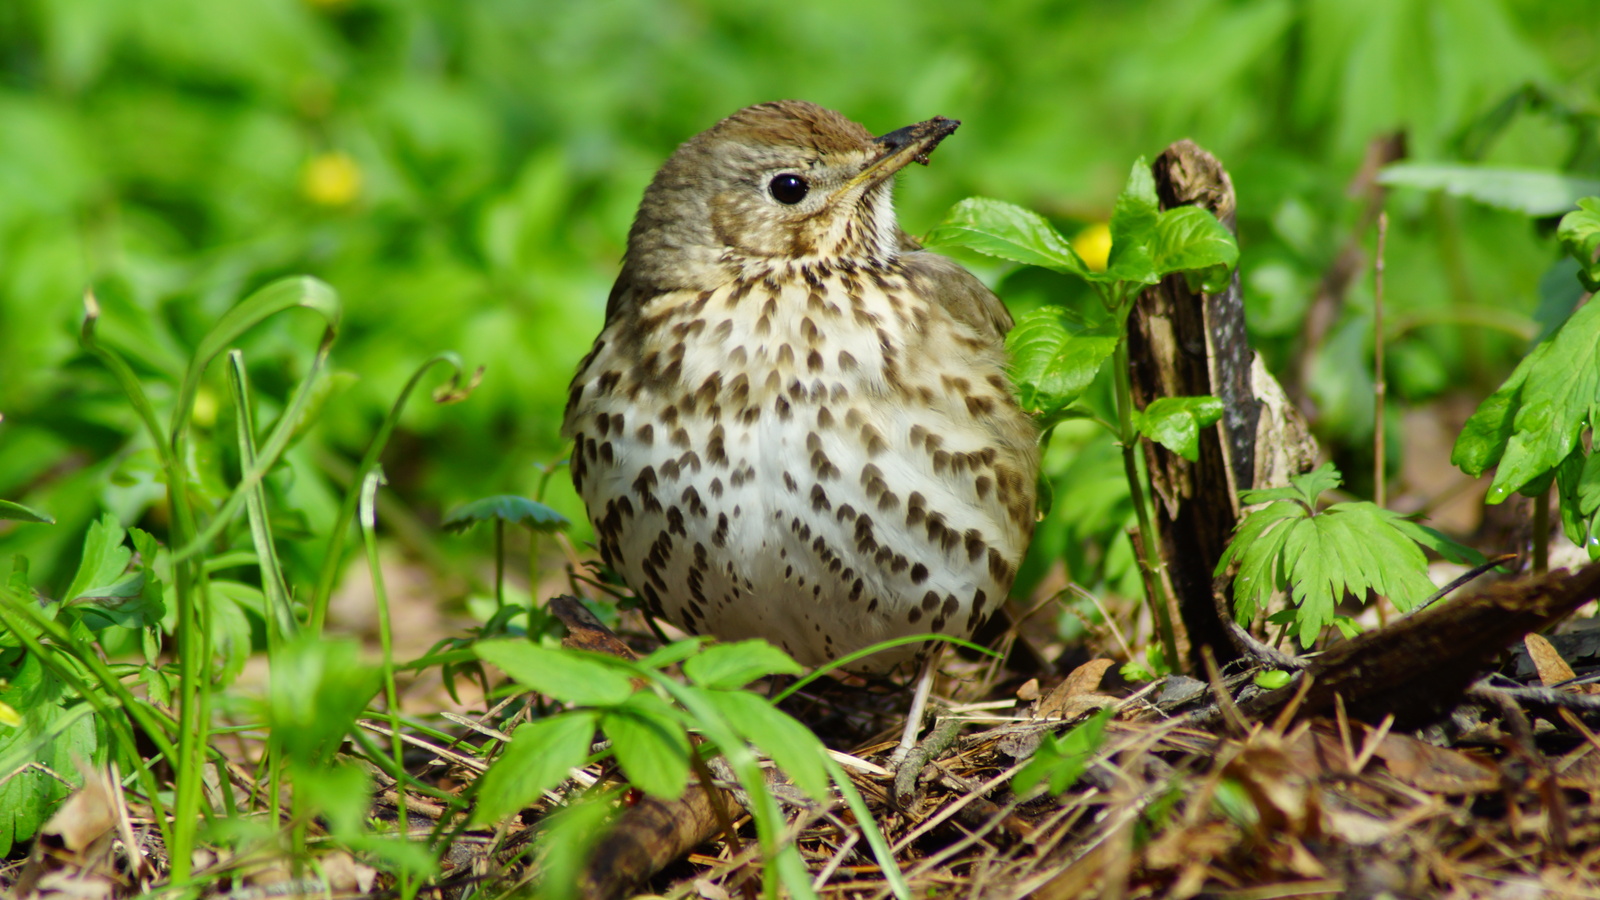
<point>796,423</point>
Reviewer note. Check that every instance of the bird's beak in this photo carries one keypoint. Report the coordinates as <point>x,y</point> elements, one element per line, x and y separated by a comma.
<point>902,146</point>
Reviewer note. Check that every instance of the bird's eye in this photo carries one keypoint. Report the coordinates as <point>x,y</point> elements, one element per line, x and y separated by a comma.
<point>788,188</point>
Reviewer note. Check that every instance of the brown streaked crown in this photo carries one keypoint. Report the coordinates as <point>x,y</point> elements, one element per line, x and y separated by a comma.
<point>710,212</point>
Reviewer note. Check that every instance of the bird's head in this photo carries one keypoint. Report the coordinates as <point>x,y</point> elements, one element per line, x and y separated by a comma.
<point>787,180</point>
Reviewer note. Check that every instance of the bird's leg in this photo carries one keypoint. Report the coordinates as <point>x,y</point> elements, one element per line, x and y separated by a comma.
<point>919,705</point>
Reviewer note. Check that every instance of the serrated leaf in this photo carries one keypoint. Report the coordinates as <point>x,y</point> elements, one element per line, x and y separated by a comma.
<point>539,757</point>
<point>567,675</point>
<point>1318,556</point>
<point>1548,400</point>
<point>1438,542</point>
<point>790,744</point>
<point>1007,231</point>
<point>1579,234</point>
<point>1052,365</point>
<point>105,557</point>
<point>1189,239</point>
<point>506,508</point>
<point>1534,192</point>
<point>1484,437</point>
<point>16,512</point>
<point>1350,547</point>
<point>1175,422</point>
<point>1133,228</point>
<point>730,666</point>
<point>650,744</point>
<point>1304,489</point>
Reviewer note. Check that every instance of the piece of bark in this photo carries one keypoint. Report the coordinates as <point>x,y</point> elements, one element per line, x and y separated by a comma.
<point>1184,343</point>
<point>647,838</point>
<point>1418,667</point>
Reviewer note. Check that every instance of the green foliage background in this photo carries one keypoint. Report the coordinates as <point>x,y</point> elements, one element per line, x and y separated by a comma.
<point>161,152</point>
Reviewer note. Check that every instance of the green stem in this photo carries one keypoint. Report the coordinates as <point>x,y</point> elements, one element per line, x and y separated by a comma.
<point>499,564</point>
<point>1128,436</point>
<point>1541,532</point>
<point>368,518</point>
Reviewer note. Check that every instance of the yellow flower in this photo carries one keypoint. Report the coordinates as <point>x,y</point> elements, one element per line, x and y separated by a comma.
<point>331,179</point>
<point>1093,244</point>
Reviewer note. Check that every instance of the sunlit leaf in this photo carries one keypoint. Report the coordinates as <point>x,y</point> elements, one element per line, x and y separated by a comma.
<point>650,744</point>
<point>1175,422</point>
<point>1133,228</point>
<point>539,757</point>
<point>1007,231</point>
<point>1528,426</point>
<point>567,675</point>
<point>19,513</point>
<point>790,744</point>
<point>1317,557</point>
<point>1579,233</point>
<point>1189,239</point>
<point>1052,365</point>
<point>735,665</point>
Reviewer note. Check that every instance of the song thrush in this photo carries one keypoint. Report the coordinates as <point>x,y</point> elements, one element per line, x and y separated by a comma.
<point>796,423</point>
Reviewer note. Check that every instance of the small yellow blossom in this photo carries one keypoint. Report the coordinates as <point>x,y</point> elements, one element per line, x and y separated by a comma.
<point>331,179</point>
<point>1093,244</point>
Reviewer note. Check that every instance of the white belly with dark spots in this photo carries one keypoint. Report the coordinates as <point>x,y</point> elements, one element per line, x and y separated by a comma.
<point>799,496</point>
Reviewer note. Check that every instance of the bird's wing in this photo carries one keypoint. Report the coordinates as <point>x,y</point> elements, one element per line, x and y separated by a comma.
<point>960,292</point>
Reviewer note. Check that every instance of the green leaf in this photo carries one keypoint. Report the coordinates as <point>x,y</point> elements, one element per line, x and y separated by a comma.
<point>1008,231</point>
<point>1533,192</point>
<point>567,675</point>
<point>1060,761</point>
<point>1272,679</point>
<point>1484,437</point>
<point>1588,492</point>
<point>16,512</point>
<point>319,687</point>
<point>791,745</point>
<point>1175,422</point>
<point>105,558</point>
<point>1191,240</point>
<point>1304,489</point>
<point>506,508</point>
<point>677,651</point>
<point>1438,542</point>
<point>650,744</point>
<point>1579,234</point>
<point>539,757</point>
<point>1547,401</point>
<point>1318,556</point>
<point>1133,228</point>
<point>1052,365</point>
<point>729,666</point>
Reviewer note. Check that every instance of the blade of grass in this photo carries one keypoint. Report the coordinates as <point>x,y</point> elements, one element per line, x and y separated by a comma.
<point>272,581</point>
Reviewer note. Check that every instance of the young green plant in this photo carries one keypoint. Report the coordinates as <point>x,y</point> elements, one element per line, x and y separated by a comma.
<point>1054,363</point>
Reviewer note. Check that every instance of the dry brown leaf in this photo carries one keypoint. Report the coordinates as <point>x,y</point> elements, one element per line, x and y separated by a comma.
<point>72,855</point>
<point>1076,695</point>
<point>1436,769</point>
<point>1547,661</point>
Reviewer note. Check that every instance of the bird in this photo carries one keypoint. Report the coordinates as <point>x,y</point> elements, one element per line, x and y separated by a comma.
<point>796,423</point>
